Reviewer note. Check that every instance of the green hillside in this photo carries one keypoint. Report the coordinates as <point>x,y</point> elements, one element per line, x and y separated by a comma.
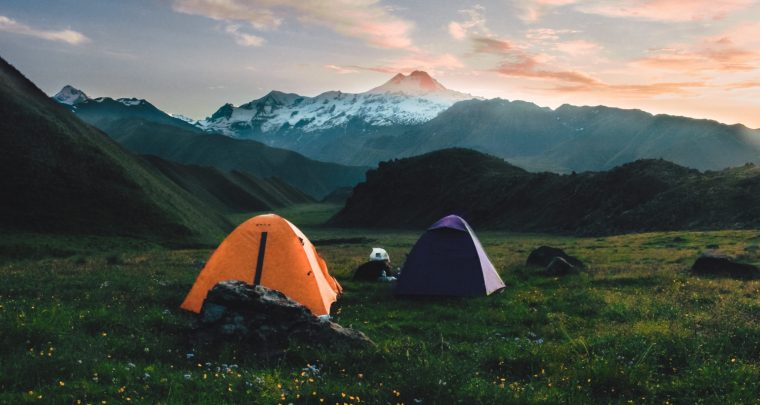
<point>490,193</point>
<point>232,192</point>
<point>63,176</point>
<point>189,147</point>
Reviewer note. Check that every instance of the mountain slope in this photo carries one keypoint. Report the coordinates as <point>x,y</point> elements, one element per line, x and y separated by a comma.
<point>189,147</point>
<point>578,138</point>
<point>61,175</point>
<point>234,191</point>
<point>641,196</point>
<point>103,110</point>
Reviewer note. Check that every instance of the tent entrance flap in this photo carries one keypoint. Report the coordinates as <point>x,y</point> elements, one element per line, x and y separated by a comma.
<point>260,259</point>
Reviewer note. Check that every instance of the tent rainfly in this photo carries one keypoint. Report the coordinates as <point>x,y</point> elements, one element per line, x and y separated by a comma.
<point>270,251</point>
<point>448,259</point>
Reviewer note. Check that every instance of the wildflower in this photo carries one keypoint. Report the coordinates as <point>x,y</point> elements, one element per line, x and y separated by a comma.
<point>61,383</point>
<point>189,356</point>
<point>188,376</point>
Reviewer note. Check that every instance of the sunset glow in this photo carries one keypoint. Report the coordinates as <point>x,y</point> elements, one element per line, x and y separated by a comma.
<point>693,58</point>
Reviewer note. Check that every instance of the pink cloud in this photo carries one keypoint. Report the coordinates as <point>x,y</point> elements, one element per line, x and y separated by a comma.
<point>492,45</point>
<point>473,24</point>
<point>578,47</point>
<point>720,53</point>
<point>366,20</point>
<point>743,85</point>
<point>68,36</point>
<point>457,31</point>
<point>666,10</point>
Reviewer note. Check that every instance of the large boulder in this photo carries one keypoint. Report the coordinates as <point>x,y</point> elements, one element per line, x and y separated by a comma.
<point>560,267</point>
<point>723,265</point>
<point>543,256</point>
<point>268,320</point>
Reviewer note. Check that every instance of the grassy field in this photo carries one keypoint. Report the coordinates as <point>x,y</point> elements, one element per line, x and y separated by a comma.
<point>634,327</point>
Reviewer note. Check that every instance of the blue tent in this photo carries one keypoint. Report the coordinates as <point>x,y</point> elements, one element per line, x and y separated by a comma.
<point>448,259</point>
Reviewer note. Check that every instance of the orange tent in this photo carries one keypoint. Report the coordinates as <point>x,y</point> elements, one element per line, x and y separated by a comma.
<point>270,251</point>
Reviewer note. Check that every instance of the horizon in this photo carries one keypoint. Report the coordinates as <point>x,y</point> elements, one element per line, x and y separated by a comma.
<point>692,59</point>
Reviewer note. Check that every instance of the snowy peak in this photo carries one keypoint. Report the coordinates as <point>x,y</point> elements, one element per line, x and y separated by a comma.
<point>70,96</point>
<point>273,99</point>
<point>403,100</point>
<point>417,83</point>
<point>131,102</point>
<point>183,118</point>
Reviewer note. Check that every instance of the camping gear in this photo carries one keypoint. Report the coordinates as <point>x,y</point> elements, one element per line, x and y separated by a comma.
<point>268,250</point>
<point>379,254</point>
<point>374,271</point>
<point>448,259</point>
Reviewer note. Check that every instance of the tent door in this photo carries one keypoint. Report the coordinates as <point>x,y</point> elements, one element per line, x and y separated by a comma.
<point>260,259</point>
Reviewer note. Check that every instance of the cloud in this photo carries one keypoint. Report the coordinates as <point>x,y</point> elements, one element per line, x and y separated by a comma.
<point>547,34</point>
<point>366,20</point>
<point>341,69</point>
<point>492,45</point>
<point>434,64</point>
<point>70,37</point>
<point>241,38</point>
<point>730,51</point>
<point>653,10</point>
<point>666,10</point>
<point>473,24</point>
<point>533,10</point>
<point>743,85</point>
<point>579,47</point>
<point>515,61</point>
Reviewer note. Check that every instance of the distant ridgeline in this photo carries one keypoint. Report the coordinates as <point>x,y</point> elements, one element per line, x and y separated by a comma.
<point>407,116</point>
<point>644,195</point>
<point>144,129</point>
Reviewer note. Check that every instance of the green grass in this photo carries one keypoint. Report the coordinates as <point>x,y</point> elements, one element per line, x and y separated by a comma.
<point>633,327</point>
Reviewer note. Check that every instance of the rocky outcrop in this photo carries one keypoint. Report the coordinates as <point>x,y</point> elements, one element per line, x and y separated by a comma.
<point>268,320</point>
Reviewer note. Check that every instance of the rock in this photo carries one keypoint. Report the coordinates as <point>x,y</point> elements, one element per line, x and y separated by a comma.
<point>723,265</point>
<point>371,271</point>
<point>560,267</point>
<point>267,320</point>
<point>542,256</point>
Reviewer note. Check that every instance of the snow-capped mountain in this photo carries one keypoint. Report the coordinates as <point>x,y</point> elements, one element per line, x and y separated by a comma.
<point>183,118</point>
<point>403,100</point>
<point>102,111</point>
<point>70,96</point>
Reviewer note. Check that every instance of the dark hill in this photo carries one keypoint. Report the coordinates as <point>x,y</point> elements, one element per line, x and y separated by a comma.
<point>640,196</point>
<point>190,147</point>
<point>233,191</point>
<point>60,175</point>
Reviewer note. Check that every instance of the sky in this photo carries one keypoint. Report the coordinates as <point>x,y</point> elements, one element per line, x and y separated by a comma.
<point>698,58</point>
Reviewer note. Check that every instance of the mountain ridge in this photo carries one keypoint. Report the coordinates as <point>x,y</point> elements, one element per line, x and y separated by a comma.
<point>640,196</point>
